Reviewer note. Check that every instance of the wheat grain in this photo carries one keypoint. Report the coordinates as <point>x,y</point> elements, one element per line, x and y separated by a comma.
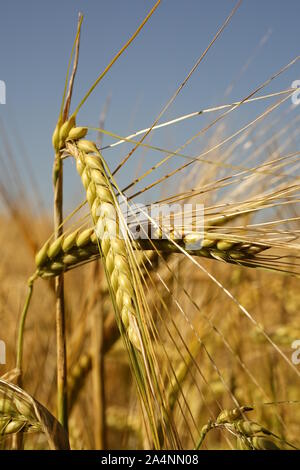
<point>255,443</point>
<point>229,416</point>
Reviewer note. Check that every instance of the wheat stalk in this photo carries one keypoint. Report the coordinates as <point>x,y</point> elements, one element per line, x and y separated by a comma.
<point>123,277</point>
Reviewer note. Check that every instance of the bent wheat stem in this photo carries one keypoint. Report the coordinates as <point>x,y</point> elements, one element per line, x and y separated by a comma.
<point>19,362</point>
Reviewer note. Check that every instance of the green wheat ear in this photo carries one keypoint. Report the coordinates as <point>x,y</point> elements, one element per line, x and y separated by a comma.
<point>115,256</point>
<point>249,434</point>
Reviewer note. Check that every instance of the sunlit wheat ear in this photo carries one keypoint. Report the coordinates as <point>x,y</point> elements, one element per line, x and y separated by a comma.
<point>19,412</point>
<point>81,246</point>
<point>114,251</point>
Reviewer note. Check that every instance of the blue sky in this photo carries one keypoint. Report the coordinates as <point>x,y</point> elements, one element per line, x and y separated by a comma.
<point>36,38</point>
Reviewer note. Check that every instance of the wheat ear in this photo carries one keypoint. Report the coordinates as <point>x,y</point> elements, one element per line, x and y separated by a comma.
<point>101,199</point>
<point>16,416</point>
<point>250,435</point>
<point>81,246</point>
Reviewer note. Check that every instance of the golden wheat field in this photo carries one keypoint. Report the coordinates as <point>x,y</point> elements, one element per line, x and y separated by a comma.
<point>159,312</point>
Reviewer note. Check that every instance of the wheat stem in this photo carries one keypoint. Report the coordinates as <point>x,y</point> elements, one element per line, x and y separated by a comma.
<point>20,342</point>
<point>63,127</point>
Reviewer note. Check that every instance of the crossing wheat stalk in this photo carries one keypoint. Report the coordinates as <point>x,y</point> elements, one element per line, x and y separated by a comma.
<point>81,246</point>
